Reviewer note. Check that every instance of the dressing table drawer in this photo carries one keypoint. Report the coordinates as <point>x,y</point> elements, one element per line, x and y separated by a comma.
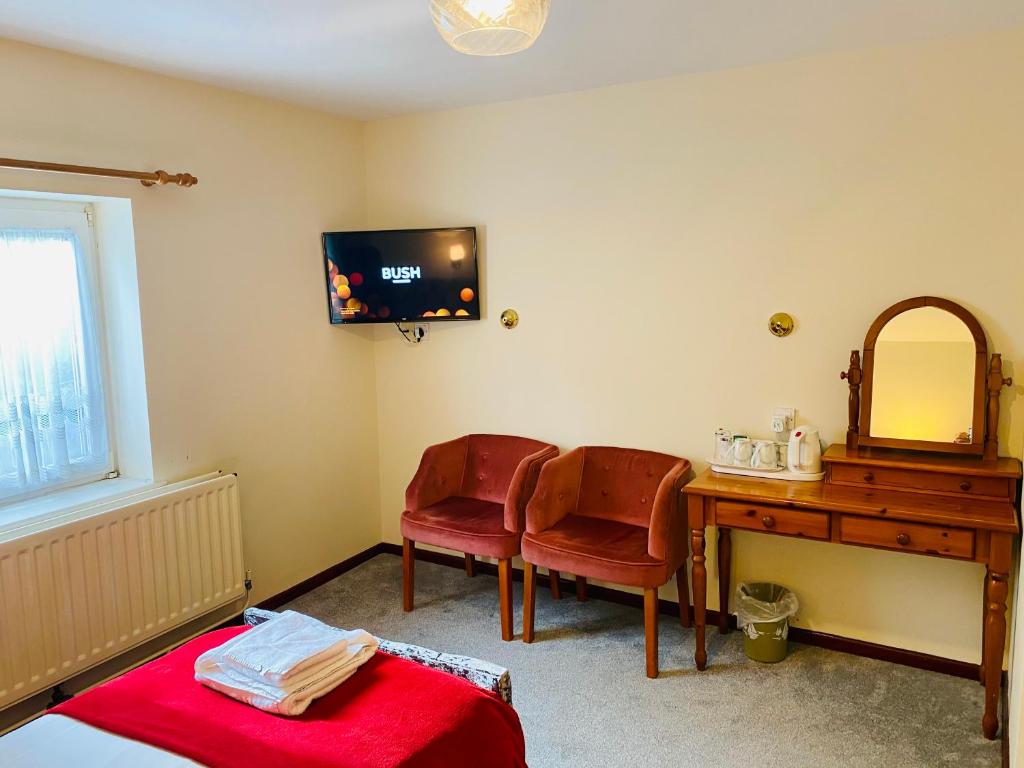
<point>912,537</point>
<point>768,519</point>
<point>921,480</point>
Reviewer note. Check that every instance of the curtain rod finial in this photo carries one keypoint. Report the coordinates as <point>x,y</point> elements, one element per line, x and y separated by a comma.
<point>163,177</point>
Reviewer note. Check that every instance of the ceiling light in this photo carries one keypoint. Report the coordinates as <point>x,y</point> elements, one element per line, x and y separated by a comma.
<point>489,27</point>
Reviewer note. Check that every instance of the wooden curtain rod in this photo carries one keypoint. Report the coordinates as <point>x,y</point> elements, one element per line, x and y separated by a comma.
<point>147,179</point>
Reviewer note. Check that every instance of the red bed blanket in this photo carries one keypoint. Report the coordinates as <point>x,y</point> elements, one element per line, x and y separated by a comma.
<point>392,712</point>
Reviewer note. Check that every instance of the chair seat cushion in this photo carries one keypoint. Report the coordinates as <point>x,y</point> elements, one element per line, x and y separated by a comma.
<point>462,524</point>
<point>597,548</point>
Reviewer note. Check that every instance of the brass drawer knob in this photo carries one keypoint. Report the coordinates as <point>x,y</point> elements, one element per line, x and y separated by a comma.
<point>965,485</point>
<point>768,521</point>
<point>902,539</point>
<point>869,477</point>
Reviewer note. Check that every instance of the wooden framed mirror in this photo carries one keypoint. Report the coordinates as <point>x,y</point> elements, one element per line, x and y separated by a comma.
<point>928,383</point>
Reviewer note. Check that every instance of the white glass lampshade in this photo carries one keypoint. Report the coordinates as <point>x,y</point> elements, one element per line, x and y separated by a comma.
<point>489,27</point>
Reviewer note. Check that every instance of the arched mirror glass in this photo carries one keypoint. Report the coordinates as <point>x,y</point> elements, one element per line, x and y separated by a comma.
<point>927,383</point>
<point>924,378</point>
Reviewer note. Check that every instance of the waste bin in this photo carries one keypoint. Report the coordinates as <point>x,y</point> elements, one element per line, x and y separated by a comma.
<point>762,612</point>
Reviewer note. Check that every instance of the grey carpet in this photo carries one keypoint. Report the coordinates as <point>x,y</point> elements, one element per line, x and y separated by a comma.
<point>584,700</point>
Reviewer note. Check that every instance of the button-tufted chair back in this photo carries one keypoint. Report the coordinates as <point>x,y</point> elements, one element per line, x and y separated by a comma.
<point>621,483</point>
<point>491,462</point>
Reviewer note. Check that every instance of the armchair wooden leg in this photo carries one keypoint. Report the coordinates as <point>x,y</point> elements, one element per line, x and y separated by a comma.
<point>581,589</point>
<point>408,573</point>
<point>651,629</point>
<point>529,599</point>
<point>505,597</point>
<point>470,565</point>
<point>683,587</point>
<point>556,587</point>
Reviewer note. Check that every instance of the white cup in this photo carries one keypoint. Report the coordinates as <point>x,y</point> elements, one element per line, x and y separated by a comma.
<point>723,447</point>
<point>742,450</point>
<point>764,455</point>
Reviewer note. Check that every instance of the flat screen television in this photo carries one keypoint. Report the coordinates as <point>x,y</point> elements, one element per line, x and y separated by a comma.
<point>398,275</point>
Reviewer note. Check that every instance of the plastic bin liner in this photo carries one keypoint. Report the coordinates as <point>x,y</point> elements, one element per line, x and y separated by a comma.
<point>780,603</point>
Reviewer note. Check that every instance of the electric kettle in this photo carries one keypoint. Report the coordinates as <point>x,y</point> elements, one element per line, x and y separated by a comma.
<point>804,455</point>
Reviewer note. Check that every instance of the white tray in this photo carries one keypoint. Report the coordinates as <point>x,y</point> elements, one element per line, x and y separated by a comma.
<point>778,473</point>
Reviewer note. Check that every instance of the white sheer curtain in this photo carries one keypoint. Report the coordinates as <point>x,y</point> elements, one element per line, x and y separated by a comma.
<point>53,424</point>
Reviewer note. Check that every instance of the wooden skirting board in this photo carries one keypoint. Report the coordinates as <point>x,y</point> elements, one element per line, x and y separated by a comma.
<point>667,607</point>
<point>276,601</point>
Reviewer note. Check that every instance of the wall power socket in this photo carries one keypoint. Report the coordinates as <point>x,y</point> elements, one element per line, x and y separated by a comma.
<point>783,419</point>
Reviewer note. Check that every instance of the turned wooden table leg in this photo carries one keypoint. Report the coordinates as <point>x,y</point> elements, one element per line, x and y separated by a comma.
<point>408,573</point>
<point>683,588</point>
<point>700,597</point>
<point>470,565</point>
<point>724,573</point>
<point>529,599</point>
<point>995,629</point>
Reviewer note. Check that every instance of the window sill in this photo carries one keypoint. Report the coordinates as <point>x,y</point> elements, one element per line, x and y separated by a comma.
<point>64,506</point>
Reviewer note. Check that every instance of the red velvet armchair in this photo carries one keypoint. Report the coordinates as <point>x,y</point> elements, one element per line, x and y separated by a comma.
<point>612,514</point>
<point>470,495</point>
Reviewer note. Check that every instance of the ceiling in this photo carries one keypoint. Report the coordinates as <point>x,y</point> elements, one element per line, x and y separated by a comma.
<point>376,58</point>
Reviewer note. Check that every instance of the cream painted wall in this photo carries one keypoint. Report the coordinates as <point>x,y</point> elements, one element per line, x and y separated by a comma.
<point>646,232</point>
<point>243,372</point>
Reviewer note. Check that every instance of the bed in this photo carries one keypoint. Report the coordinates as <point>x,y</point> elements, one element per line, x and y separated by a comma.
<point>408,706</point>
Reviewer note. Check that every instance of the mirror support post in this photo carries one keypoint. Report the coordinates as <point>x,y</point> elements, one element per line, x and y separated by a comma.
<point>853,376</point>
<point>995,382</point>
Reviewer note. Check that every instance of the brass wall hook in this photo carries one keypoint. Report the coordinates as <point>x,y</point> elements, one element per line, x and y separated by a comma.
<point>781,324</point>
<point>510,319</point>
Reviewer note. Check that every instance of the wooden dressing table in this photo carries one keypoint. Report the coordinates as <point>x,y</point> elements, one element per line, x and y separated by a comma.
<point>959,504</point>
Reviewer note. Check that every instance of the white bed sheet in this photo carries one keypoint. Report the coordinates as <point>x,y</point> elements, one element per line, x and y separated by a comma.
<point>55,741</point>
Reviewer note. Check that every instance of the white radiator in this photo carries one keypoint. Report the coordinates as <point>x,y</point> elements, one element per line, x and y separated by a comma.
<point>76,595</point>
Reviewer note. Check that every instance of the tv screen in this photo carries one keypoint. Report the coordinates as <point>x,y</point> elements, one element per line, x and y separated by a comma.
<point>404,274</point>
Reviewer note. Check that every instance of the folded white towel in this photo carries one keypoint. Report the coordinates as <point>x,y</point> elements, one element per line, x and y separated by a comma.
<point>286,648</point>
<point>281,669</point>
<point>280,701</point>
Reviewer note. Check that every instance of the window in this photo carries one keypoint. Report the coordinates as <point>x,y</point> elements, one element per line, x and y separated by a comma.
<point>54,429</point>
